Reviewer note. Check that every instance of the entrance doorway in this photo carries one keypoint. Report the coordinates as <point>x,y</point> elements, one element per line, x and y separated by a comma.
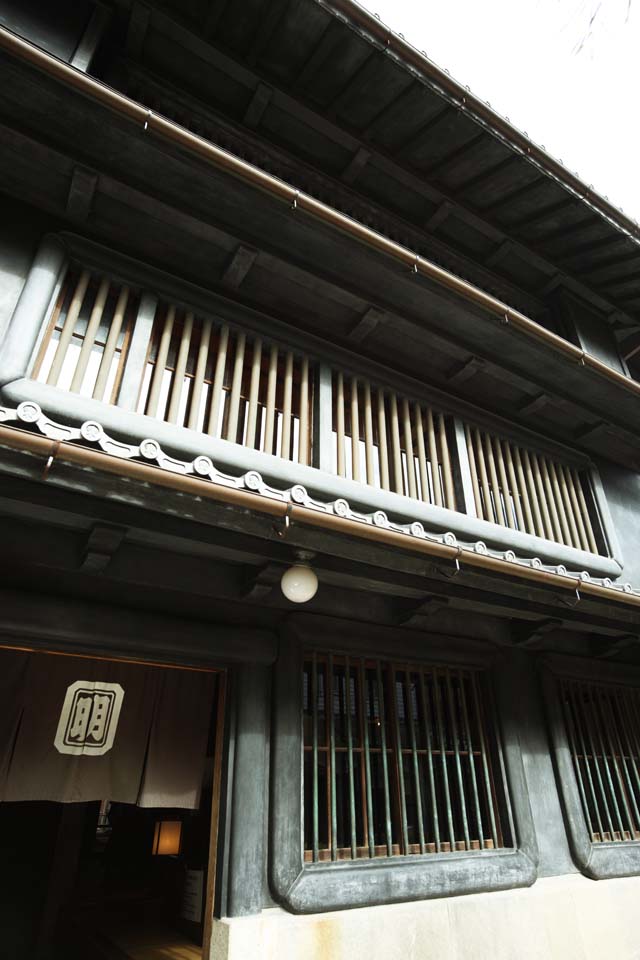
<point>110,778</point>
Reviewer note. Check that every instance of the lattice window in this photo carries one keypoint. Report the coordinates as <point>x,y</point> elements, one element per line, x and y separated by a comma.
<point>84,347</point>
<point>400,759</point>
<point>603,729</point>
<point>219,381</point>
<point>385,440</point>
<point>526,490</point>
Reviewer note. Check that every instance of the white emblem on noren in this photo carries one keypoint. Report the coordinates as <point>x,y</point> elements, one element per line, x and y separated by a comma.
<point>89,718</point>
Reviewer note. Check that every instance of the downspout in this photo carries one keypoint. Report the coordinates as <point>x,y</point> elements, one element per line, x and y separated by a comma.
<point>173,133</point>
<point>53,451</point>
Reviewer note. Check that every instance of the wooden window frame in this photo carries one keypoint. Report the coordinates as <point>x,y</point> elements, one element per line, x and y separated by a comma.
<point>304,887</point>
<point>601,859</point>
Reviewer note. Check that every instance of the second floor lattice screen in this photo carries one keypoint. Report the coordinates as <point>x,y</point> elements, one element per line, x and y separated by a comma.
<point>523,489</point>
<point>220,381</point>
<point>385,440</point>
<point>108,340</point>
<point>85,345</point>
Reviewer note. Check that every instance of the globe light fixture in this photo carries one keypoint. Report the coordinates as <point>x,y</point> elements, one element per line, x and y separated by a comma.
<point>299,583</point>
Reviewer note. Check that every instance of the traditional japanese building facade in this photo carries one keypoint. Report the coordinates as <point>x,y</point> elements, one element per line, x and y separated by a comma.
<point>275,291</point>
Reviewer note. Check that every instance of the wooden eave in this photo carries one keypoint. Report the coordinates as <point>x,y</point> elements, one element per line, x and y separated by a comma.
<point>319,86</point>
<point>172,210</point>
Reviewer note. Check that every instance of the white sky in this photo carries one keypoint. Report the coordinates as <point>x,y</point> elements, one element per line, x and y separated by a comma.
<point>570,81</point>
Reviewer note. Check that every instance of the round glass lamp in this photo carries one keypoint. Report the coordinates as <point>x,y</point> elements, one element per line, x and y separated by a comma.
<point>299,583</point>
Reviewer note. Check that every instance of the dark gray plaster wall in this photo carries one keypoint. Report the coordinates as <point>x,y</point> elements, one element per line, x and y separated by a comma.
<point>56,27</point>
<point>21,229</point>
<point>622,489</point>
<point>554,856</point>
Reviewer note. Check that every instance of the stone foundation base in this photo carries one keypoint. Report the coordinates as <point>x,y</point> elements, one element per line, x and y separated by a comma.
<point>559,918</point>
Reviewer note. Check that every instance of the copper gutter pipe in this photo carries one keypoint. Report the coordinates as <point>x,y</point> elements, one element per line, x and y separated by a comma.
<point>418,61</point>
<point>174,133</point>
<point>54,451</point>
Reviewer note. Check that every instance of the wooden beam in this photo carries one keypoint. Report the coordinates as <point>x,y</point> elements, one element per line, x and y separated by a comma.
<point>102,543</point>
<point>438,217</point>
<point>137,30</point>
<point>464,371</point>
<point>366,325</point>
<point>534,404</point>
<point>355,166</point>
<point>419,615</point>
<point>238,266</point>
<point>499,253</point>
<point>257,106</point>
<point>81,193</point>
<point>531,633</point>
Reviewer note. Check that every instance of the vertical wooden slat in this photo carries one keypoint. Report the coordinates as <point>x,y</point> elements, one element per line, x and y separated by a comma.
<point>484,752</point>
<point>563,516</point>
<point>217,388</point>
<point>569,511</point>
<point>177,386</point>
<point>408,449</point>
<point>504,483</point>
<point>473,470</point>
<point>575,508</point>
<point>352,792</point>
<point>340,428</point>
<point>285,444</point>
<point>489,513</point>
<point>270,411</point>
<point>112,342</point>
<point>525,498</point>
<point>314,748</point>
<point>550,499</point>
<point>435,461</point>
<point>68,327</point>
<point>90,335</point>
<point>355,431</point>
<point>618,763</point>
<point>332,759</point>
<point>422,453</point>
<point>368,434</point>
<point>513,483</point>
<point>586,519</point>
<point>199,375</point>
<point>303,426</point>
<point>445,459</point>
<point>493,476</point>
<point>471,758</point>
<point>383,449</point>
<point>442,744</point>
<point>426,721</point>
<point>542,496</point>
<point>65,285</point>
<point>453,719</point>
<point>400,783</point>
<point>398,478</point>
<point>160,365</point>
<point>417,780</point>
<point>236,388</point>
<point>364,697</point>
<point>533,495</point>
<point>254,390</point>
<point>385,768</point>
<point>576,725</point>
